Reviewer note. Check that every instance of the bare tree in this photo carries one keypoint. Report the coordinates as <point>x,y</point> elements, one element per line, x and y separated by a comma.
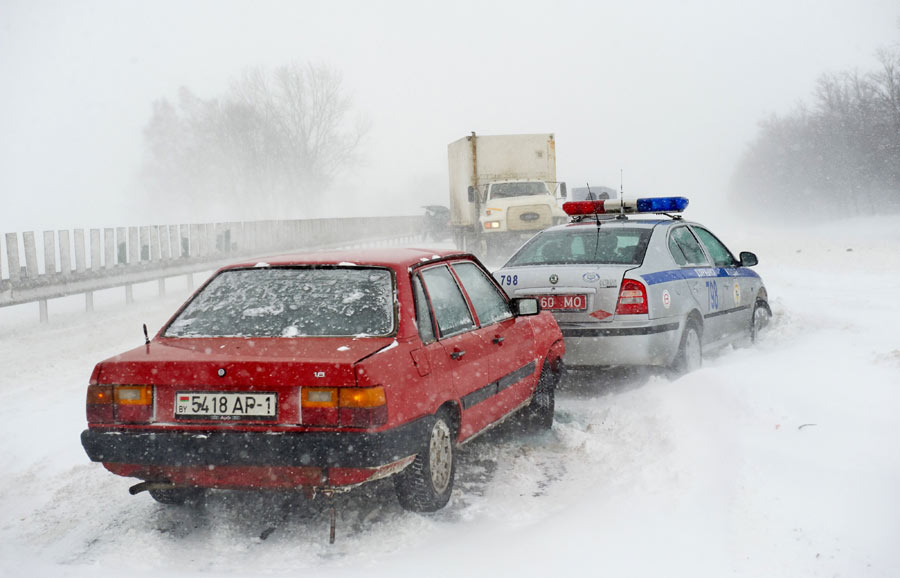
<point>840,155</point>
<point>266,148</point>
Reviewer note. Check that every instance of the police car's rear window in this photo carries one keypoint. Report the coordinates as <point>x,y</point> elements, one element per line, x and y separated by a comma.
<point>290,302</point>
<point>605,246</point>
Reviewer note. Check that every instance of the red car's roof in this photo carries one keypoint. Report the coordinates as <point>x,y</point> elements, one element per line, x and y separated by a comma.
<point>386,257</point>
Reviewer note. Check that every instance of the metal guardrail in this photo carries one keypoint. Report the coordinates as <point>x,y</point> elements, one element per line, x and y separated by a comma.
<point>80,261</point>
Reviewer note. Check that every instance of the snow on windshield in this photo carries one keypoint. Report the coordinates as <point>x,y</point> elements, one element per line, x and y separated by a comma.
<point>290,302</point>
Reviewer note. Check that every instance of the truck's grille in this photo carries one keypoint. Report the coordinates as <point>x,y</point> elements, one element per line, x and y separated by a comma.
<point>529,218</point>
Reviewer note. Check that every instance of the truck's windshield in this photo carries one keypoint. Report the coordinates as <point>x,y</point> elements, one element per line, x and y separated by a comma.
<point>507,190</point>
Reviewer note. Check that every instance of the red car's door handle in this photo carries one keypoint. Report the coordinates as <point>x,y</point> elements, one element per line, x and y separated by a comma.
<point>457,354</point>
<point>498,340</point>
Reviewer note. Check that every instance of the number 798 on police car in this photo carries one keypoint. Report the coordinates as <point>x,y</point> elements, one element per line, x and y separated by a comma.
<point>509,280</point>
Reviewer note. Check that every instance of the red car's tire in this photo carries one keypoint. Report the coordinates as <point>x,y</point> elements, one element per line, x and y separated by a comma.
<point>426,484</point>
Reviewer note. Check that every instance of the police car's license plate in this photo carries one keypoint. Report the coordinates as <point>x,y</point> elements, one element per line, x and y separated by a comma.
<point>225,406</point>
<point>563,302</point>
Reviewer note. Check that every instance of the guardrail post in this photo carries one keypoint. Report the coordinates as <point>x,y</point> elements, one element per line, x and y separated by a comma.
<point>134,245</point>
<point>96,250</point>
<point>45,316</point>
<point>129,293</point>
<point>80,263</point>
<point>65,253</point>
<point>184,243</point>
<point>89,301</point>
<point>121,246</point>
<point>109,249</point>
<point>12,257</point>
<point>164,252</point>
<point>162,286</point>
<point>49,253</point>
<point>31,266</point>
<point>145,250</point>
<point>154,244</point>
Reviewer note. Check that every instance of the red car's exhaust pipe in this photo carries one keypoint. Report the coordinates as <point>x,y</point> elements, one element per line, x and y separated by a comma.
<point>144,486</point>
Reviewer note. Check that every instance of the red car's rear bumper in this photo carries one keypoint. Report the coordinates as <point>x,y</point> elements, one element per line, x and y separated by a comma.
<point>233,459</point>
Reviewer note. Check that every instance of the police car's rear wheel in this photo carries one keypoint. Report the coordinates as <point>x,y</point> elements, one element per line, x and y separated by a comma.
<point>690,352</point>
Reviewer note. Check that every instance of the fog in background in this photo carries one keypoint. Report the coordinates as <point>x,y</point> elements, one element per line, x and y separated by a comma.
<point>671,94</point>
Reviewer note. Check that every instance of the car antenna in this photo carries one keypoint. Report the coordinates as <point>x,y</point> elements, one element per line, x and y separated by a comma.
<point>146,335</point>
<point>621,215</point>
<point>591,197</point>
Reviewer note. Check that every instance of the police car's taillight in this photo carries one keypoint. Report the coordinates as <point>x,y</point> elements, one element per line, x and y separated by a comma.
<point>632,298</point>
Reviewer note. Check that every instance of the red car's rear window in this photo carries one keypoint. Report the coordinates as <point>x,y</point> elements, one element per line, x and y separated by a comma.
<point>290,302</point>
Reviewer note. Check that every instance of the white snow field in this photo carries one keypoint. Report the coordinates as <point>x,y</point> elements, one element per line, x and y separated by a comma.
<point>782,459</point>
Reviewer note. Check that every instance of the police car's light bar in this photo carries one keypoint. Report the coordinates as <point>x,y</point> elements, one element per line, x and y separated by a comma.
<point>612,206</point>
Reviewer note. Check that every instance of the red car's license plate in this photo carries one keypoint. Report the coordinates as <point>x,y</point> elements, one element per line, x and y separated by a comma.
<point>563,302</point>
<point>225,406</point>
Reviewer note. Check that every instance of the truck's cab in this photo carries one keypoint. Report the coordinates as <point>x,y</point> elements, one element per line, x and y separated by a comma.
<point>514,210</point>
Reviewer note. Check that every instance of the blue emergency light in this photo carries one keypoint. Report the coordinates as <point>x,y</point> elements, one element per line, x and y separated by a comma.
<point>662,205</point>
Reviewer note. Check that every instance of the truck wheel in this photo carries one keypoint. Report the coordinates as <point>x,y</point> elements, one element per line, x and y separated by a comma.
<point>425,485</point>
<point>179,496</point>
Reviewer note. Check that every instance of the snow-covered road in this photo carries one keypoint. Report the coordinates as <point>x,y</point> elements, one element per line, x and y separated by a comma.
<point>777,460</point>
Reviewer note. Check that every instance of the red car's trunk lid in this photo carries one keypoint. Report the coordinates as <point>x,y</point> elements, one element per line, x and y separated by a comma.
<point>244,363</point>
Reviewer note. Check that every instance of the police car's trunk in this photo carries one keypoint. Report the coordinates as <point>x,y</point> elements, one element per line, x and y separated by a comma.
<point>581,294</point>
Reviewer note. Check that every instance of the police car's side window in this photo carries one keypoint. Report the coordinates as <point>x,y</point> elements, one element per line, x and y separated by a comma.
<point>689,246</point>
<point>676,252</point>
<point>423,314</point>
<point>450,309</point>
<point>720,254</point>
<point>490,305</point>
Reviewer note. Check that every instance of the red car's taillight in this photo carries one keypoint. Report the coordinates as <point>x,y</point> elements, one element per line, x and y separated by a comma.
<point>100,404</point>
<point>632,298</point>
<point>119,403</point>
<point>363,406</point>
<point>133,403</point>
<point>344,406</point>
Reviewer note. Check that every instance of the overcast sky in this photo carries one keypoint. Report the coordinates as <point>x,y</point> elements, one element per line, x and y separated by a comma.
<point>669,92</point>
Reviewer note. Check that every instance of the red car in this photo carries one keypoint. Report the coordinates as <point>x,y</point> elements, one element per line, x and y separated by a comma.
<point>323,371</point>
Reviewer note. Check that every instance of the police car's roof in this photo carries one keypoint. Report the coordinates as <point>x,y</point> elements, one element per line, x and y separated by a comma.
<point>618,223</point>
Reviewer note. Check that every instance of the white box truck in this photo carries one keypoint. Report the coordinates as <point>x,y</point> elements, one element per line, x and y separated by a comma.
<point>503,190</point>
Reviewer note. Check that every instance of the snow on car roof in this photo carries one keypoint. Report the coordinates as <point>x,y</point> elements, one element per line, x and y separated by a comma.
<point>382,257</point>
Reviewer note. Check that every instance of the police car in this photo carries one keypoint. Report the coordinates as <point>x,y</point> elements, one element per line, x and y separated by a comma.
<point>652,291</point>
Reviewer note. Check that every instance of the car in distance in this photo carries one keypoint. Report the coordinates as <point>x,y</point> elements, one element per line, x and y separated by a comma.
<point>323,371</point>
<point>654,291</point>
